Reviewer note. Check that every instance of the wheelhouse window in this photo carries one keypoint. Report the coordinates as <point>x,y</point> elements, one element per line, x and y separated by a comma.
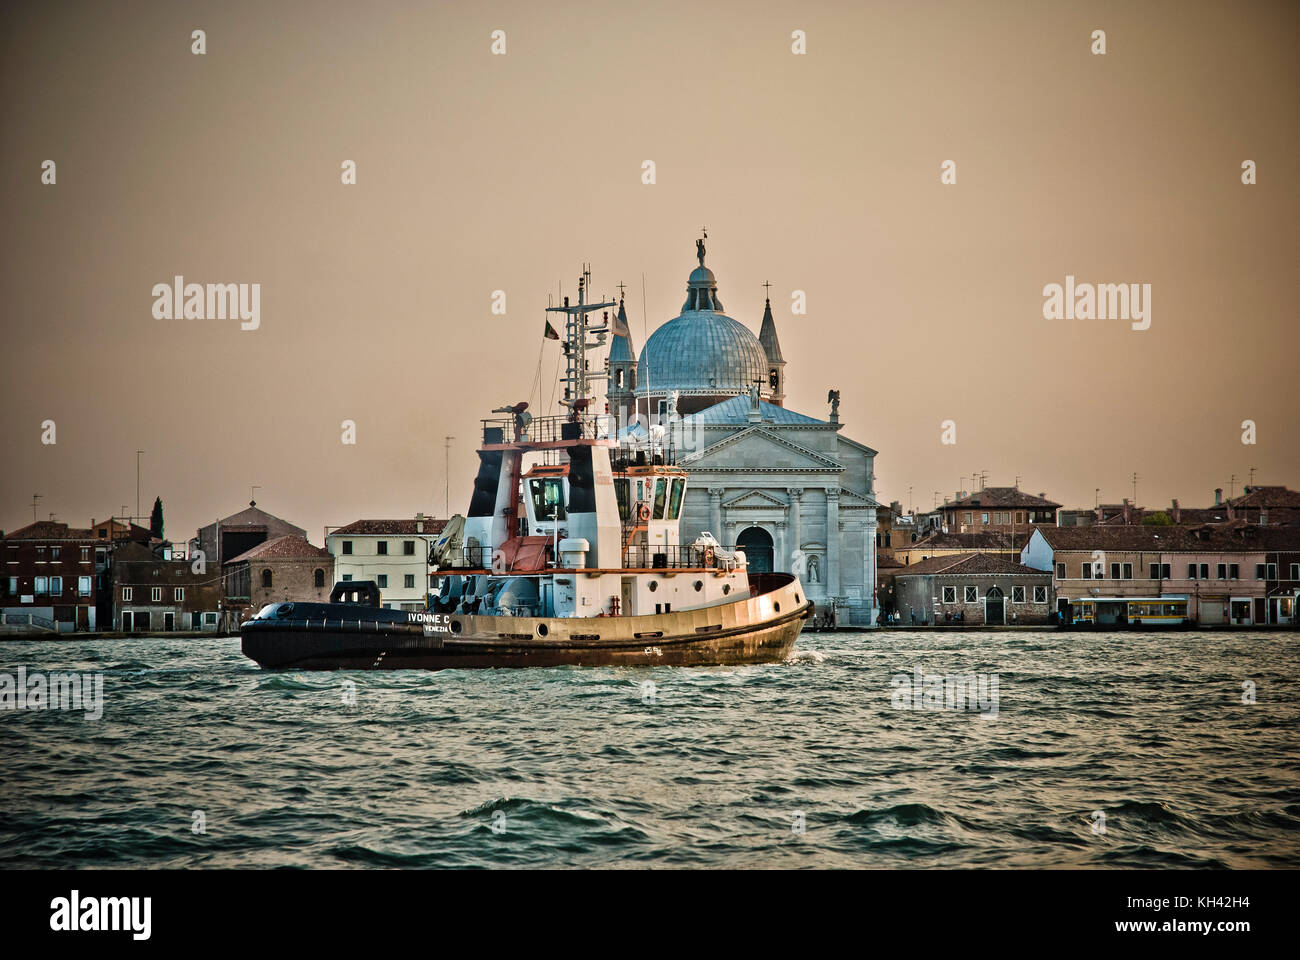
<point>548,497</point>
<point>621,487</point>
<point>661,495</point>
<point>675,501</point>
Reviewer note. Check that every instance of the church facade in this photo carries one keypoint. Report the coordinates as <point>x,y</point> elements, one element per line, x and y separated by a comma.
<point>789,489</point>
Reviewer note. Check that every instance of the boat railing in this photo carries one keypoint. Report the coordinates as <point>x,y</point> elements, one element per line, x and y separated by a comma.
<point>597,426</point>
<point>636,557</point>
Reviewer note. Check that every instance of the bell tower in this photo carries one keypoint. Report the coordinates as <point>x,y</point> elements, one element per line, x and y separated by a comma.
<point>621,386</point>
<point>772,347</point>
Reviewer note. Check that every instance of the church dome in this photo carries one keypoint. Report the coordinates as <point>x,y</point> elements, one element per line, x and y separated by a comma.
<point>703,352</point>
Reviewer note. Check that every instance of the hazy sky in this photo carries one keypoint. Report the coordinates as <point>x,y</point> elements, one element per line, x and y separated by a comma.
<point>477,172</point>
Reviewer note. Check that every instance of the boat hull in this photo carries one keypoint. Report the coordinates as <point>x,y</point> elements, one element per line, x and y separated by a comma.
<point>757,629</point>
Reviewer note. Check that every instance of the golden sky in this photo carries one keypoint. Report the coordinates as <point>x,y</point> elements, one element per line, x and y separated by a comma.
<point>476,172</point>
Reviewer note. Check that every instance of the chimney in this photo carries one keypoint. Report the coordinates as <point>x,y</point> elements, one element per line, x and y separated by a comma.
<point>419,522</point>
<point>1128,515</point>
<point>1218,496</point>
<point>1176,512</point>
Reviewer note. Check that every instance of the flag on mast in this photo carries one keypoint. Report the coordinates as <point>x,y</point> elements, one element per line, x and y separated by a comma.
<point>550,333</point>
<point>618,326</point>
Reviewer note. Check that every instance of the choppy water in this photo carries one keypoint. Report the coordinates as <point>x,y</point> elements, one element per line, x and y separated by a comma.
<point>573,767</point>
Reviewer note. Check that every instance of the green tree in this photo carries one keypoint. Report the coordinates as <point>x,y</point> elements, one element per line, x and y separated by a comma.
<point>1158,519</point>
<point>156,519</point>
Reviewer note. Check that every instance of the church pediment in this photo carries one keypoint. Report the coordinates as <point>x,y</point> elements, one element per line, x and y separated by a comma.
<point>754,500</point>
<point>757,449</point>
<point>853,500</point>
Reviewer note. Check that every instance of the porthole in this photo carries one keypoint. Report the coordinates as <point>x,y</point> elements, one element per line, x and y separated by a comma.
<point>797,599</point>
<point>542,630</point>
<point>726,589</point>
<point>776,607</point>
<point>455,626</point>
<point>654,585</point>
<point>699,585</point>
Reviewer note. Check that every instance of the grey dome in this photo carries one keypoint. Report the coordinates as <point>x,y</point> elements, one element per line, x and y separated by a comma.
<point>702,352</point>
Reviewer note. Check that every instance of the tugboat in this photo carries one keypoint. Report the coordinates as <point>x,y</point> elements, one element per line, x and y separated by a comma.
<point>566,557</point>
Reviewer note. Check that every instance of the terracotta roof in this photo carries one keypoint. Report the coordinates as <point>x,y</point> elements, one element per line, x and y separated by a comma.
<point>287,547</point>
<point>51,530</point>
<point>395,528</point>
<point>1267,497</point>
<point>1185,538</point>
<point>969,563</point>
<point>983,540</point>
<point>1000,497</point>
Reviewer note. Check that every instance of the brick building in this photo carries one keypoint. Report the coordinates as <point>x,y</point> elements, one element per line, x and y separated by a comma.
<point>286,568</point>
<point>225,539</point>
<point>53,578</point>
<point>156,590</point>
<point>973,588</point>
<point>997,508</point>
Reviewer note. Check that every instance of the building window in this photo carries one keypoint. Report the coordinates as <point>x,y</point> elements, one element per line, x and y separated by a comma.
<point>1114,571</point>
<point>1223,571</point>
<point>1085,571</point>
<point>984,518</point>
<point>13,586</point>
<point>85,554</point>
<point>56,552</point>
<point>968,518</point>
<point>972,594</point>
<point>409,581</point>
<point>1191,571</point>
<point>56,586</point>
<point>1040,594</point>
<point>1154,572</point>
<point>1295,571</point>
<point>266,579</point>
<point>381,548</point>
<point>1205,571</point>
<point>128,594</point>
<point>319,578</point>
<point>42,586</point>
<point>1060,571</point>
<point>347,547</point>
<point>1128,571</point>
<point>382,580</point>
<point>1017,594</point>
<point>155,594</point>
<point>347,576</point>
<point>1234,571</point>
<point>949,594</point>
<point>178,594</point>
<point>1020,517</point>
<point>1259,571</point>
<point>1270,571</point>
<point>408,548</point>
<point>83,586</point>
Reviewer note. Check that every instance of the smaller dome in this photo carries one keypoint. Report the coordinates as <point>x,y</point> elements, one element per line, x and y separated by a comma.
<point>702,277</point>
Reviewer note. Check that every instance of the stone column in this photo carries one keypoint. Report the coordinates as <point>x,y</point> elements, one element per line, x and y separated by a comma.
<point>832,541</point>
<point>779,550</point>
<point>869,565</point>
<point>796,527</point>
<point>715,511</point>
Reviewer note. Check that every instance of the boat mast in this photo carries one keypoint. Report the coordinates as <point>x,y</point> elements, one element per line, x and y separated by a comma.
<point>576,331</point>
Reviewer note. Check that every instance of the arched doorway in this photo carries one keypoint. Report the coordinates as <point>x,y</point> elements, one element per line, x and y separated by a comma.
<point>757,544</point>
<point>995,606</point>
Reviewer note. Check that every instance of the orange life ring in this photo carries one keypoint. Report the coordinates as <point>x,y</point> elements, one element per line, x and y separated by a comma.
<point>644,512</point>
<point>708,556</point>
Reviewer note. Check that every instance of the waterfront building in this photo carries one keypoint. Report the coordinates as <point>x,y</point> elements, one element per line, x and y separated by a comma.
<point>1224,571</point>
<point>53,579</point>
<point>789,489</point>
<point>157,589</point>
<point>392,553</point>
<point>973,588</point>
<point>940,544</point>
<point>286,568</point>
